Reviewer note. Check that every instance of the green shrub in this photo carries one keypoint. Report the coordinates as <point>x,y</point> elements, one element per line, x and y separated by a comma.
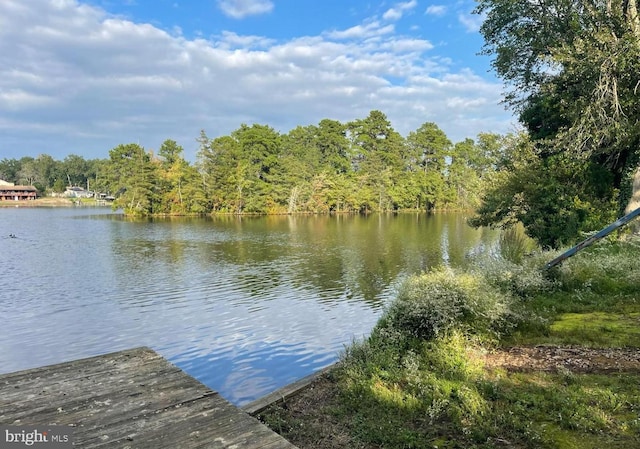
<point>432,304</point>
<point>525,279</point>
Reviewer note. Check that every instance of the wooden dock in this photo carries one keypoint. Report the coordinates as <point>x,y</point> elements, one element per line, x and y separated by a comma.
<point>130,399</point>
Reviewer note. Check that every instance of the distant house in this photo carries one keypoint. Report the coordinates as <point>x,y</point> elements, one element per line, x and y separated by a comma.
<point>10,192</point>
<point>77,192</point>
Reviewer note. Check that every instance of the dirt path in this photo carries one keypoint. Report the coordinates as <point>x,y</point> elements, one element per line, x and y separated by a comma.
<point>574,359</point>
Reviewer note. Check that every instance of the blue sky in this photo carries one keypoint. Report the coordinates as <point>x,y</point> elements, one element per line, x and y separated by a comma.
<point>82,76</point>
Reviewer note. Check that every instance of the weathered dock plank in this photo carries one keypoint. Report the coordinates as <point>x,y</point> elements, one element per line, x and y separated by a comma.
<point>133,399</point>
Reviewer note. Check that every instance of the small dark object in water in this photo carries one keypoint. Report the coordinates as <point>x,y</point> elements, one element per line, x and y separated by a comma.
<point>13,236</point>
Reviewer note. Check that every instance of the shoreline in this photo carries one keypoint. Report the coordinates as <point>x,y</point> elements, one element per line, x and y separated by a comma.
<point>254,408</point>
<point>49,202</point>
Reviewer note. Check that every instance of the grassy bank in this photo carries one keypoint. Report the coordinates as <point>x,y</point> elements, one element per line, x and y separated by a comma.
<point>503,355</point>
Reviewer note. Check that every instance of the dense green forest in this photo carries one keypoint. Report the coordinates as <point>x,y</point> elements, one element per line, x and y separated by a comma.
<point>361,166</point>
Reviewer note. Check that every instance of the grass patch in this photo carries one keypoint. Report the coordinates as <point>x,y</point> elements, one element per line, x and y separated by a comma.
<point>596,329</point>
<point>588,329</point>
<point>606,268</point>
<point>566,410</point>
<point>440,395</point>
<point>440,388</point>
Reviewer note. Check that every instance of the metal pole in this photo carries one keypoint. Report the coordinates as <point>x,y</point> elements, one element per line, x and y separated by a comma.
<point>587,242</point>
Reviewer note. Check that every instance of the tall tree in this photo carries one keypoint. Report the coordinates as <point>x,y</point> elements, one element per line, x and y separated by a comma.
<point>240,169</point>
<point>172,178</point>
<point>132,176</point>
<point>99,173</point>
<point>10,169</point>
<point>75,169</point>
<point>298,162</point>
<point>572,70</point>
<point>28,173</point>
<point>377,158</point>
<point>259,146</point>
<point>47,170</point>
<point>310,161</point>
<point>170,152</point>
<point>331,140</point>
<point>429,148</point>
<point>463,174</point>
<point>226,173</point>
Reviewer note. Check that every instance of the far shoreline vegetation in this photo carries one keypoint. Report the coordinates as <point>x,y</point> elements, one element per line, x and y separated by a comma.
<point>359,167</point>
<point>362,166</point>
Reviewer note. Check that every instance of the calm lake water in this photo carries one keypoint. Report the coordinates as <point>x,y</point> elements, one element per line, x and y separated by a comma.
<point>245,305</point>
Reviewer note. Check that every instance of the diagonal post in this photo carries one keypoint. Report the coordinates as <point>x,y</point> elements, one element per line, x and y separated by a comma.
<point>597,236</point>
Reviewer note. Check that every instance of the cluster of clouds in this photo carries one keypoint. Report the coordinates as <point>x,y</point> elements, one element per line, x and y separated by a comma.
<point>75,79</point>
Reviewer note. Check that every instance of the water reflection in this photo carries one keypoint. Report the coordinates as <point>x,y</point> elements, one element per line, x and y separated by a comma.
<point>243,304</point>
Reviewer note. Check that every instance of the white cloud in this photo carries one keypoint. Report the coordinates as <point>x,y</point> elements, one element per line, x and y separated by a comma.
<point>239,9</point>
<point>398,11</point>
<point>75,80</point>
<point>230,40</point>
<point>471,22</point>
<point>18,99</point>
<point>362,31</point>
<point>436,10</point>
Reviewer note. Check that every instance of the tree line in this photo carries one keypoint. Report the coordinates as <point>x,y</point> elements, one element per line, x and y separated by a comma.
<point>356,167</point>
<point>49,175</point>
